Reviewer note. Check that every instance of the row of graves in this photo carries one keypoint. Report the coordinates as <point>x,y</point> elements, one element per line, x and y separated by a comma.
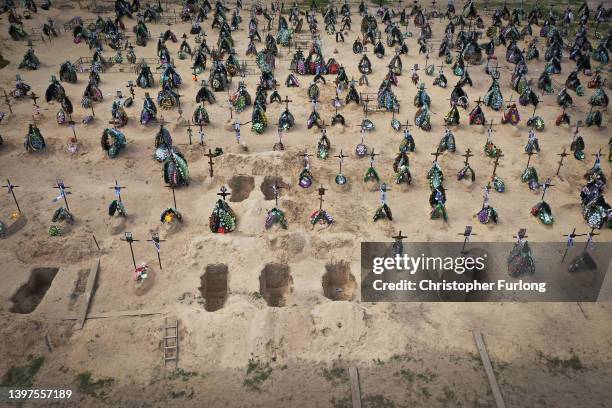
<point>467,42</point>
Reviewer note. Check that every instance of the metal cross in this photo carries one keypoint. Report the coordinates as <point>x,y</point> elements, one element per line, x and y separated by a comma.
<point>223,193</point>
<point>59,184</point>
<point>117,189</point>
<point>10,187</point>
<point>155,240</point>
<point>467,155</point>
<point>496,163</point>
<point>521,234</point>
<point>467,233</point>
<point>436,154</point>
<point>129,238</point>
<point>570,242</point>
<point>341,156</point>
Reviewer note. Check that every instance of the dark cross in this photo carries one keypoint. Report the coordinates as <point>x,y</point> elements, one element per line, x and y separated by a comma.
<point>276,188</point>
<point>117,188</point>
<point>407,125</point>
<point>173,196</point>
<point>467,155</point>
<point>491,124</point>
<point>321,191</point>
<point>210,156</point>
<point>590,235</point>
<point>34,98</point>
<point>341,156</point>
<point>72,125</point>
<point>130,239</point>
<point>467,233</point>
<point>399,236</point>
<point>223,193</point>
<point>305,155</point>
<point>597,155</point>
<point>113,122</point>
<point>10,187</point>
<point>545,186</point>
<point>189,132</point>
<point>497,66</point>
<point>372,156</point>
<point>426,58</point>
<point>155,240</point>
<point>521,234</point>
<point>496,163</point>
<point>7,100</point>
<point>529,154</point>
<point>436,154</point>
<point>286,101</point>
<point>510,100</point>
<point>563,154</point>
<point>59,184</point>
<point>570,242</point>
<point>441,66</point>
<point>130,86</point>
<point>478,102</point>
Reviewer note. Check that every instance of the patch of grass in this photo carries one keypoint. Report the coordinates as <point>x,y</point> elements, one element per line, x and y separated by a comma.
<point>557,364</point>
<point>378,361</point>
<point>427,376</point>
<point>256,296</point>
<point>336,373</point>
<point>182,394</point>
<point>257,373</point>
<point>181,374</point>
<point>96,389</point>
<point>425,391</point>
<point>407,374</point>
<point>23,376</point>
<point>344,402</point>
<point>377,401</point>
<point>449,396</point>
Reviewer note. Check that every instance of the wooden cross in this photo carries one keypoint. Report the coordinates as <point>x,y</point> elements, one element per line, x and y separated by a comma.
<point>478,103</point>
<point>321,191</point>
<point>341,156</point>
<point>155,240</point>
<point>590,235</point>
<point>10,187</point>
<point>597,155</point>
<point>365,101</point>
<point>305,155</point>
<point>129,238</point>
<point>34,98</point>
<point>570,241</point>
<point>467,233</point>
<point>496,163</point>
<point>286,101</point>
<point>7,100</point>
<point>510,100</point>
<point>117,189</point>
<point>399,236</point>
<point>521,234</point>
<point>563,154</point>
<point>59,184</point>
<point>441,66</point>
<point>467,155</point>
<point>210,162</point>
<point>407,125</point>
<point>436,154</point>
<point>223,193</point>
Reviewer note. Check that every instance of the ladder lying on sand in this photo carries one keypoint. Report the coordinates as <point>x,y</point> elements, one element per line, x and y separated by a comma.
<point>171,341</point>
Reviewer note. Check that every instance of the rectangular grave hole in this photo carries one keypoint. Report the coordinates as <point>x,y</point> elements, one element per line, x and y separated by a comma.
<point>214,287</point>
<point>30,294</point>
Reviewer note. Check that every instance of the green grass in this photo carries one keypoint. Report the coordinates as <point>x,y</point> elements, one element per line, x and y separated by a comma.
<point>257,373</point>
<point>407,374</point>
<point>181,374</point>
<point>335,374</point>
<point>23,376</point>
<point>557,364</point>
<point>96,389</point>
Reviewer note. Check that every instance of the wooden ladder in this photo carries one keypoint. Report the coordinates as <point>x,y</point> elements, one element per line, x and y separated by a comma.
<point>171,341</point>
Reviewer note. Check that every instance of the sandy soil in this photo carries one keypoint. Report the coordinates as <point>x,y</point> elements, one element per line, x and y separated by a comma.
<point>407,354</point>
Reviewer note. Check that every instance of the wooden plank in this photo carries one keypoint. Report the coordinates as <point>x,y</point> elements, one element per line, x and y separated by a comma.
<point>121,313</point>
<point>486,362</point>
<point>355,389</point>
<point>93,274</point>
